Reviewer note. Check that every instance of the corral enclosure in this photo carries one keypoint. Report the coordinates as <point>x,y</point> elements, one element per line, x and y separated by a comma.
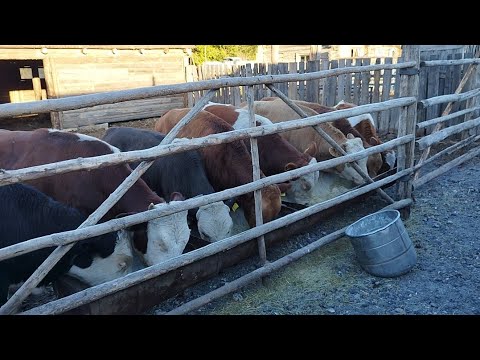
<point>405,103</point>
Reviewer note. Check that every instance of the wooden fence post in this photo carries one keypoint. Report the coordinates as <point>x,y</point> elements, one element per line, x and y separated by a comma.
<point>409,79</point>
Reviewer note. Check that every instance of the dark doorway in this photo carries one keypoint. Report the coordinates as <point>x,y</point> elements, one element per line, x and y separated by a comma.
<point>21,81</point>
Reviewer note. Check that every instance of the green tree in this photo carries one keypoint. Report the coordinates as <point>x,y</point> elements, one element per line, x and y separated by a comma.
<point>202,53</point>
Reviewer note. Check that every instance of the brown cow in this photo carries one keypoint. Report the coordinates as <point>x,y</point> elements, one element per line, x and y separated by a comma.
<point>276,154</point>
<point>365,125</point>
<point>277,111</point>
<point>227,165</point>
<point>156,241</point>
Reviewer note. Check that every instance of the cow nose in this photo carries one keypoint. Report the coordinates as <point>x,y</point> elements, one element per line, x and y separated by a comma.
<point>306,186</point>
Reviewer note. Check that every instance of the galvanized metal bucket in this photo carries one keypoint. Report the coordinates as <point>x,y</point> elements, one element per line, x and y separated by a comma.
<point>382,245</point>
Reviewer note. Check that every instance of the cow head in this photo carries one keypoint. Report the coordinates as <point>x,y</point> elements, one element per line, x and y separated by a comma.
<point>100,269</point>
<point>346,171</point>
<point>214,222</point>
<point>305,182</point>
<point>167,235</point>
<point>162,238</point>
<point>271,204</point>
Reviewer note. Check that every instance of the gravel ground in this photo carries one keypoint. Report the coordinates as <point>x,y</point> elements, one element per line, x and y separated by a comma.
<point>444,229</point>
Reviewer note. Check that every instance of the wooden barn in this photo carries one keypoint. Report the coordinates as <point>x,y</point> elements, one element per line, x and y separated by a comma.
<point>36,72</point>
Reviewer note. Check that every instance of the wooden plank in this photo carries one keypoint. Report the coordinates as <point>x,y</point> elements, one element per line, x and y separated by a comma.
<point>331,86</point>
<point>270,71</point>
<point>322,84</point>
<point>442,74</point>
<point>456,76</point>
<point>256,88</point>
<point>127,110</point>
<point>189,78</point>
<point>406,153</point>
<point>341,83</point>
<point>301,83</point>
<point>357,82</point>
<point>292,86</point>
<point>376,83</point>
<point>448,82</point>
<point>395,113</point>
<point>365,86</point>
<point>283,69</point>
<point>384,123</point>
<point>309,84</point>
<point>51,82</point>
<point>348,82</point>
<point>235,89</point>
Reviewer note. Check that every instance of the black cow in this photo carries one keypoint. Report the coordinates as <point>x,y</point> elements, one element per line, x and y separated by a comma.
<point>26,213</point>
<point>183,172</point>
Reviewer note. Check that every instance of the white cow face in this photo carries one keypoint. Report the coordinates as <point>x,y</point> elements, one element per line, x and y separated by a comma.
<point>305,183</point>
<point>214,222</point>
<point>346,171</point>
<point>116,265</point>
<point>167,236</point>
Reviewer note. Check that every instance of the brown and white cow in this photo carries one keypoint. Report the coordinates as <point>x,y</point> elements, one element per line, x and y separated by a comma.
<point>375,161</point>
<point>365,125</point>
<point>276,154</point>
<point>157,240</point>
<point>227,165</point>
<point>277,111</point>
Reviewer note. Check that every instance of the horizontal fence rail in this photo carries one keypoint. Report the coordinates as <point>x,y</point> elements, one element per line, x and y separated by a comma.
<point>442,119</point>
<point>84,101</point>
<point>448,98</point>
<point>434,138</point>
<point>449,62</point>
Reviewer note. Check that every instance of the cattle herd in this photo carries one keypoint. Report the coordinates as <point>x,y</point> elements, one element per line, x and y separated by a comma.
<point>62,202</point>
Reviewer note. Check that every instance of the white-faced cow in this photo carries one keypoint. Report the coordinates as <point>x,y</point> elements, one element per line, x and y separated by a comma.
<point>183,172</point>
<point>157,240</point>
<point>365,125</point>
<point>276,154</point>
<point>278,111</point>
<point>375,161</point>
<point>26,213</point>
<point>227,165</point>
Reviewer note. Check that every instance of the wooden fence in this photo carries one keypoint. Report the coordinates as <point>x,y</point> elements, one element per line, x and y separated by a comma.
<point>359,88</point>
<point>365,87</point>
<point>405,144</point>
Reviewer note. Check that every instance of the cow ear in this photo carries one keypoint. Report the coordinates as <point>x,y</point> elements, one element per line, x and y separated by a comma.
<point>334,152</point>
<point>374,141</point>
<point>350,136</point>
<point>284,187</point>
<point>290,166</point>
<point>312,149</point>
<point>176,196</point>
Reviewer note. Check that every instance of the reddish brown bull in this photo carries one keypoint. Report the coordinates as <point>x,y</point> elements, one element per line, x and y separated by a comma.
<point>276,154</point>
<point>227,165</point>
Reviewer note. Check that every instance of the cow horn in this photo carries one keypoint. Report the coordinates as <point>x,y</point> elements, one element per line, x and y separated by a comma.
<point>151,206</point>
